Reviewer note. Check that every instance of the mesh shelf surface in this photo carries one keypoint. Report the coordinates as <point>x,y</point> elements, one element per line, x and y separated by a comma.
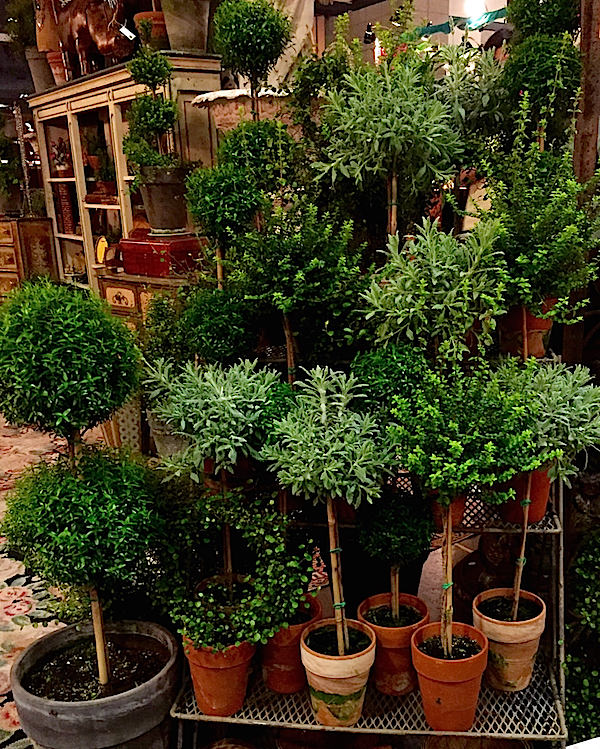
<point>480,516</point>
<point>534,713</point>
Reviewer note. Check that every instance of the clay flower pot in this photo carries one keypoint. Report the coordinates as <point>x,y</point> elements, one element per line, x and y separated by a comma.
<point>457,510</point>
<point>220,677</point>
<point>449,689</point>
<point>337,683</point>
<point>512,511</point>
<point>513,645</point>
<point>538,331</point>
<point>281,663</point>
<point>393,670</point>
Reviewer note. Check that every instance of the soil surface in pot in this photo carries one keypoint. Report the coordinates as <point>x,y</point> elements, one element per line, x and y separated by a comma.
<point>500,608</point>
<point>71,674</point>
<point>301,616</point>
<point>462,647</point>
<point>381,616</point>
<point>324,641</point>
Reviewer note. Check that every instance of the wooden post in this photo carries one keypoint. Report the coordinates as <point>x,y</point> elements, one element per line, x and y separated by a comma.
<point>395,585</point>
<point>446,623</point>
<point>98,624</point>
<point>290,344</point>
<point>521,559</point>
<point>336,579</point>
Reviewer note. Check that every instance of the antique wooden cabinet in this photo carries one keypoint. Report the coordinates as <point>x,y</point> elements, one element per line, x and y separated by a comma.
<point>26,250</point>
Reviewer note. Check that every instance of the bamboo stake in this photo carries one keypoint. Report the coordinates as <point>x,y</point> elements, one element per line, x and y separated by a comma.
<point>336,579</point>
<point>227,557</point>
<point>393,204</point>
<point>521,559</point>
<point>524,334</point>
<point>395,585</point>
<point>446,624</point>
<point>220,273</point>
<point>289,349</point>
<point>98,624</point>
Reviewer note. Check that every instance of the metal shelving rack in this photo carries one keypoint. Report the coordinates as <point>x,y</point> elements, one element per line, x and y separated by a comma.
<point>536,713</point>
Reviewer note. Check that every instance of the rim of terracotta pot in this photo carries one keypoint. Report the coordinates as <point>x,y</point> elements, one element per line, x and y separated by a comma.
<point>416,603</point>
<point>352,624</point>
<point>434,628</point>
<point>505,593</point>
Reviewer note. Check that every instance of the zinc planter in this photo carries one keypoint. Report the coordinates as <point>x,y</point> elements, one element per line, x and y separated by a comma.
<point>337,683</point>
<point>163,193</point>
<point>136,718</point>
<point>512,511</point>
<point>187,23</point>
<point>513,645</point>
<point>220,677</point>
<point>39,68</point>
<point>449,688</point>
<point>167,444</point>
<point>281,663</point>
<point>393,670</point>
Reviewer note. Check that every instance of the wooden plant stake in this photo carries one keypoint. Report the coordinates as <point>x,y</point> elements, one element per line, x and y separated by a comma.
<point>220,273</point>
<point>395,586</point>
<point>98,624</point>
<point>446,624</point>
<point>393,204</point>
<point>227,558</point>
<point>521,560</point>
<point>525,341</point>
<point>290,345</point>
<point>341,625</point>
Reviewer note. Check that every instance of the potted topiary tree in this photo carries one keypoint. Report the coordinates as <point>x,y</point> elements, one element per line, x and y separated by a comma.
<point>251,35</point>
<point>324,450</point>
<point>92,523</point>
<point>458,430</point>
<point>151,117</point>
<point>437,290</point>
<point>20,26</point>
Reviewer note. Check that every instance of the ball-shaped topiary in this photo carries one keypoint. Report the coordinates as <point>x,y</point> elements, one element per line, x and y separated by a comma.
<point>251,36</point>
<point>65,363</point>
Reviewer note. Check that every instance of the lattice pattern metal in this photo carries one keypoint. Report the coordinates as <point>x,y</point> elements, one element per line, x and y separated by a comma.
<point>534,713</point>
<point>480,516</point>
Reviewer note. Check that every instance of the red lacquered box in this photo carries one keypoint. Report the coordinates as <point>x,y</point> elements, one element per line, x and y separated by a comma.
<point>143,254</point>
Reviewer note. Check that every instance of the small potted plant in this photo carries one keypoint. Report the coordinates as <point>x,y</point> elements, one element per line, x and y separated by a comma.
<point>457,431</point>
<point>324,450</point>
<point>60,153</point>
<point>436,289</point>
<point>151,118</point>
<point>222,618</point>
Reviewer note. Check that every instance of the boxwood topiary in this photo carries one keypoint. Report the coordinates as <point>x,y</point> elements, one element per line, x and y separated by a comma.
<point>65,363</point>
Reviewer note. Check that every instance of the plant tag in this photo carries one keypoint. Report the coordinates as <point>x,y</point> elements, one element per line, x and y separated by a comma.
<point>129,34</point>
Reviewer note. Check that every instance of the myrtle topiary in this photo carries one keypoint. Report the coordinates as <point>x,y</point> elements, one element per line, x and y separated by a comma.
<point>65,363</point>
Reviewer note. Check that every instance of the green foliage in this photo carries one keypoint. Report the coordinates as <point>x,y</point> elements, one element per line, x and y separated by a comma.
<point>223,201</point>
<point>582,710</point>
<point>297,260</point>
<point>435,288</point>
<point>250,35</point>
<point>549,69</point>
<point>398,529</point>
<point>222,411</point>
<point>20,23</point>
<point>140,153</point>
<point>65,362</point>
<point>564,408</point>
<point>263,148</point>
<point>11,171</point>
<point>150,117</point>
<point>387,372</point>
<point>94,527</point>
<point>326,449</point>
<point>217,326</point>
<point>585,584</point>
<point>461,429</point>
<point>546,235</point>
<point>161,338</point>
<point>149,67</point>
<point>386,121</point>
<point>555,17</point>
<point>213,616</point>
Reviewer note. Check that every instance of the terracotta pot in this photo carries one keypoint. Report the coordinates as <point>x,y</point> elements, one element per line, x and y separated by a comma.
<point>538,331</point>
<point>513,645</point>
<point>449,689</point>
<point>457,511</point>
<point>512,511</point>
<point>281,663</point>
<point>158,38</point>
<point>94,161</point>
<point>337,683</point>
<point>393,670</point>
<point>57,66</point>
<point>220,677</point>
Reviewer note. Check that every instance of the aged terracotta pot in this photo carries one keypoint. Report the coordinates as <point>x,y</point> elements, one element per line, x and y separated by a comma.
<point>513,645</point>
<point>512,511</point>
<point>457,511</point>
<point>538,331</point>
<point>393,671</point>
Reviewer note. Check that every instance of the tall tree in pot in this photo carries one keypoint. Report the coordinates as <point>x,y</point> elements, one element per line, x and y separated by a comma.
<point>152,117</point>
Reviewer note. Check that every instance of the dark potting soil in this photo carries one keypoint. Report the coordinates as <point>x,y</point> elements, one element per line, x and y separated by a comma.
<point>301,616</point>
<point>324,641</point>
<point>500,608</point>
<point>462,647</point>
<point>381,616</point>
<point>71,674</point>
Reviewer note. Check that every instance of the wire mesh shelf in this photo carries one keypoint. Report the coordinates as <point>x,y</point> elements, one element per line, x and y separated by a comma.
<point>480,517</point>
<point>534,713</point>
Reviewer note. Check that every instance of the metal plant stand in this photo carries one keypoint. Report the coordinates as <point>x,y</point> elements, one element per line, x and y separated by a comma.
<point>535,713</point>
